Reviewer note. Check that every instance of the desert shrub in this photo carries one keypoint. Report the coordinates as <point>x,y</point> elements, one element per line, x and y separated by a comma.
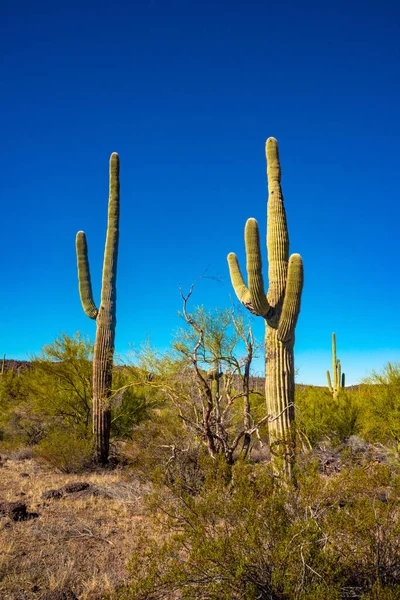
<point>244,536</point>
<point>132,403</point>
<point>163,449</point>
<point>17,426</point>
<point>65,450</point>
<point>55,394</point>
<point>60,383</point>
<point>379,398</point>
<point>319,415</point>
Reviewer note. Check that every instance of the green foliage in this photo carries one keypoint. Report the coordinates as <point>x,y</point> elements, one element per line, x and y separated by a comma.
<point>161,447</point>
<point>219,340</point>
<point>131,404</point>
<point>372,411</point>
<point>17,427</point>
<point>245,537</point>
<point>59,383</point>
<point>319,415</point>
<point>216,410</point>
<point>55,394</point>
<point>379,397</point>
<point>65,450</point>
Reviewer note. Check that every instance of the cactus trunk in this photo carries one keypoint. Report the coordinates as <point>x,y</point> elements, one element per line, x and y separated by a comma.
<point>105,316</point>
<point>279,393</point>
<point>280,308</point>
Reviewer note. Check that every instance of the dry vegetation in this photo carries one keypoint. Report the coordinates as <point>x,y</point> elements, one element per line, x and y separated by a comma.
<point>81,541</point>
<point>174,519</point>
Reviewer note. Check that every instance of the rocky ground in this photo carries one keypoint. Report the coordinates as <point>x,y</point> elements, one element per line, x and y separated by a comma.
<point>64,536</point>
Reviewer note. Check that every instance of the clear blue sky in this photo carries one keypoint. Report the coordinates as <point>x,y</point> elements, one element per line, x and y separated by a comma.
<point>187,92</point>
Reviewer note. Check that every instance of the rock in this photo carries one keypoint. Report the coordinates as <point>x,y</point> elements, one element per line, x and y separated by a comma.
<point>357,444</point>
<point>71,488</point>
<point>51,494</point>
<point>16,511</point>
<point>93,491</point>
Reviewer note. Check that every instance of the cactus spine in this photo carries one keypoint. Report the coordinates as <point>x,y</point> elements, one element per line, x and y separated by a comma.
<point>338,376</point>
<point>280,308</point>
<point>105,316</point>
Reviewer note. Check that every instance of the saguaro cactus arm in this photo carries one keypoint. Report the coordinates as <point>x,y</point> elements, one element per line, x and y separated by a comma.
<point>111,248</point>
<point>254,268</point>
<point>252,297</point>
<point>238,283</point>
<point>85,284</point>
<point>291,302</point>
<point>328,376</point>
<point>338,374</point>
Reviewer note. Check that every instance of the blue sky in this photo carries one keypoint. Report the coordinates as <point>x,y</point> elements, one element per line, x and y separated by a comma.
<point>186,93</point>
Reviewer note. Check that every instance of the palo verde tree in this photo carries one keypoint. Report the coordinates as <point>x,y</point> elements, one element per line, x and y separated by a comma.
<point>214,340</point>
<point>279,308</point>
<point>105,315</point>
<point>206,380</point>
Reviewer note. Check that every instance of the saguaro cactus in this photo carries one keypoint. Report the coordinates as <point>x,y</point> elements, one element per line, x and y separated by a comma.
<point>105,316</point>
<point>279,308</point>
<point>338,376</point>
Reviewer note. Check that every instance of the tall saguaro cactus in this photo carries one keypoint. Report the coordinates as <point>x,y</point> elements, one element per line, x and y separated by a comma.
<point>338,376</point>
<point>105,316</point>
<point>279,308</point>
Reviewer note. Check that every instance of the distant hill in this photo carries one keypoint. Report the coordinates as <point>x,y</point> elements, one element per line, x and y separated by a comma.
<point>256,383</point>
<point>14,365</point>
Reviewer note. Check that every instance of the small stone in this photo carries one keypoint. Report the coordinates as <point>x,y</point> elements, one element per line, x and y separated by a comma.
<point>15,510</point>
<point>70,488</point>
<point>51,494</point>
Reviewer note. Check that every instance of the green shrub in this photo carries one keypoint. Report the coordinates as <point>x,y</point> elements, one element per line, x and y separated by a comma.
<point>244,536</point>
<point>320,416</point>
<point>161,446</point>
<point>17,425</point>
<point>379,397</point>
<point>55,392</point>
<point>131,403</point>
<point>65,450</point>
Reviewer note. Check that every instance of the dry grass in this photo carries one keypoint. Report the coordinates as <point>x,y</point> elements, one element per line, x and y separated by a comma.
<point>80,541</point>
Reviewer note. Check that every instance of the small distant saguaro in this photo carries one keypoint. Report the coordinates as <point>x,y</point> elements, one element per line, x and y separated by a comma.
<point>105,315</point>
<point>338,376</point>
<point>279,308</point>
